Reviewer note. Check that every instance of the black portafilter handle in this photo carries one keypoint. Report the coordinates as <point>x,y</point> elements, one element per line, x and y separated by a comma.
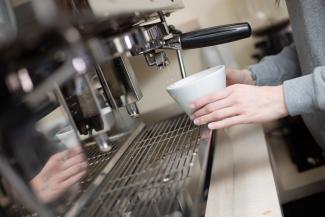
<point>215,35</point>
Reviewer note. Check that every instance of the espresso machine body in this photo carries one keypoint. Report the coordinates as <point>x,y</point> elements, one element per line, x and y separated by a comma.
<point>69,93</point>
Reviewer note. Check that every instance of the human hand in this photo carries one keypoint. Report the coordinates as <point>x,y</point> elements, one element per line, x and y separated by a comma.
<point>61,171</point>
<point>235,76</point>
<point>240,104</point>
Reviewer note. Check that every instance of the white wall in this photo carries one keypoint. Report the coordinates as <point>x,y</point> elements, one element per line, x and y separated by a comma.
<point>218,12</point>
<point>213,13</point>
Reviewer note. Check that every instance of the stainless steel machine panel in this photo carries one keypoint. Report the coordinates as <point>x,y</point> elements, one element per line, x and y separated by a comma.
<point>151,174</point>
<point>148,173</point>
<point>107,8</point>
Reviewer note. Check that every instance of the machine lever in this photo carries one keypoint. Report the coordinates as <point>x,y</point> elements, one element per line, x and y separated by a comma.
<point>215,35</point>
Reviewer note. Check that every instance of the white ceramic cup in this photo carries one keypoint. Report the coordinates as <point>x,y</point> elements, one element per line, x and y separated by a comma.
<point>189,89</point>
<point>68,137</point>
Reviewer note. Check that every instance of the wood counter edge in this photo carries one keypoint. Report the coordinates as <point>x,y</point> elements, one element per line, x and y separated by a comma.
<point>242,182</point>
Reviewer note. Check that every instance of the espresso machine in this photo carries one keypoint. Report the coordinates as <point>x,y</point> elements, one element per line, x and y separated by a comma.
<point>95,157</point>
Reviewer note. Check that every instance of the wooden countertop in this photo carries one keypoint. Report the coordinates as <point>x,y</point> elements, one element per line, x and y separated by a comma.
<point>242,182</point>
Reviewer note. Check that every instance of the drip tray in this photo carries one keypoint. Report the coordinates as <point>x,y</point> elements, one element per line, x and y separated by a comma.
<point>149,178</point>
<point>149,173</point>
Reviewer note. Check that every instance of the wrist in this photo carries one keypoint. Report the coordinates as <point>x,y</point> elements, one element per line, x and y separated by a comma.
<point>249,78</point>
<point>279,100</point>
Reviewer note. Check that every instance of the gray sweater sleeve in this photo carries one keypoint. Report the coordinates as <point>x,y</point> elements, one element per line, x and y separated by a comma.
<point>303,94</point>
<point>306,94</point>
<point>275,69</point>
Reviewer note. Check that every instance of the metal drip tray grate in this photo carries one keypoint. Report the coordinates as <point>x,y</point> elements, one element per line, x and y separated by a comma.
<point>149,176</point>
<point>97,160</point>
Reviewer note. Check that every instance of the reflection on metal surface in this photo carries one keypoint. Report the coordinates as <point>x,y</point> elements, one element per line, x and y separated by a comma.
<point>133,110</point>
<point>103,142</point>
<point>144,174</point>
<point>181,63</point>
<point>151,173</point>
<point>97,161</point>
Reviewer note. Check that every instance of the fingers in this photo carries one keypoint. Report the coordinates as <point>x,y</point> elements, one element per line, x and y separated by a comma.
<point>72,180</point>
<point>210,98</point>
<point>73,161</point>
<point>66,154</point>
<point>65,164</point>
<point>216,115</point>
<point>62,170</point>
<point>230,76</point>
<point>71,171</point>
<point>59,156</point>
<point>228,122</point>
<point>55,161</point>
<point>73,151</point>
<point>220,104</point>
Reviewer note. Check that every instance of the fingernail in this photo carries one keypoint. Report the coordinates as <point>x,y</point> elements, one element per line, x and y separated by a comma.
<point>210,126</point>
<point>196,122</point>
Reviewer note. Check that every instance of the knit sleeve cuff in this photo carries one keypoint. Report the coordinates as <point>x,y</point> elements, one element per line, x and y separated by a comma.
<point>260,73</point>
<point>299,95</point>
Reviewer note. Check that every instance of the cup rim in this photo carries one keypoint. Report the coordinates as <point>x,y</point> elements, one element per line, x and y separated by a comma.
<point>195,77</point>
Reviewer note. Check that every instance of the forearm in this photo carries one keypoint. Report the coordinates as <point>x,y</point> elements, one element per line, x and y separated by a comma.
<point>274,70</point>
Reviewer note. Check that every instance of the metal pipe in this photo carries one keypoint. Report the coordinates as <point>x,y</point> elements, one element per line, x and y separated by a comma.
<point>133,110</point>
<point>8,25</point>
<point>181,63</point>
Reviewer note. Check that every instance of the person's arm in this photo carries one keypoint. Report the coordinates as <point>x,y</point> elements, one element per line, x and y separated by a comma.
<point>274,70</point>
<point>243,103</point>
<point>306,94</point>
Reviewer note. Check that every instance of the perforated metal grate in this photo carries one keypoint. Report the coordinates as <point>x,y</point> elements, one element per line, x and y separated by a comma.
<point>97,160</point>
<point>148,177</point>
